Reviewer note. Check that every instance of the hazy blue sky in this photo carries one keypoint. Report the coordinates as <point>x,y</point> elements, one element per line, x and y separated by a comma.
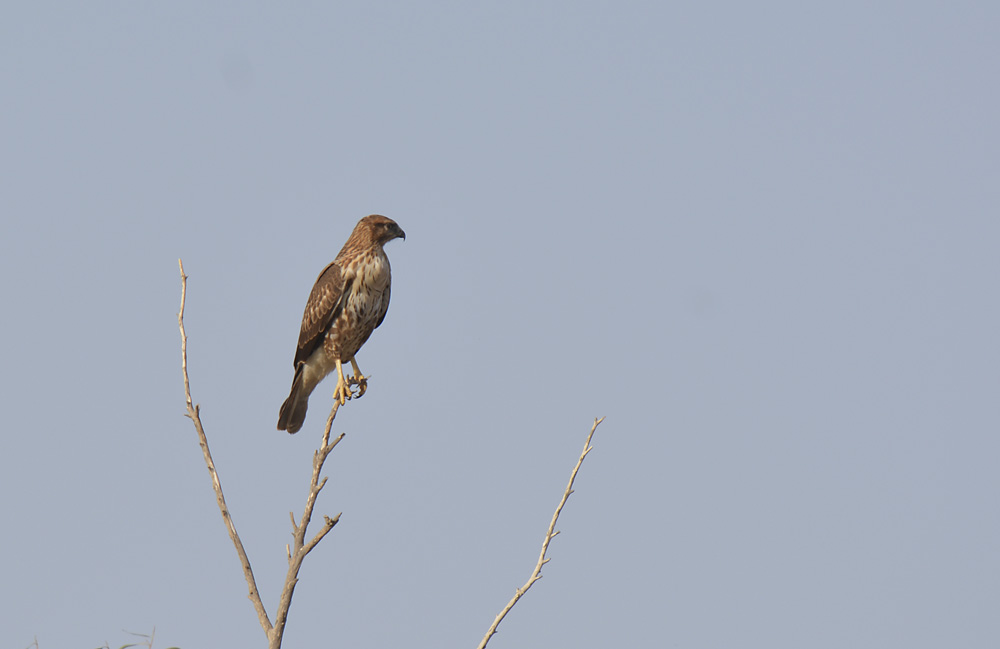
<point>761,238</point>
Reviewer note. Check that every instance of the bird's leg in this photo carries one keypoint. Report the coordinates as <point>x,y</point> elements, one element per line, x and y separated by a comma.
<point>359,378</point>
<point>343,390</point>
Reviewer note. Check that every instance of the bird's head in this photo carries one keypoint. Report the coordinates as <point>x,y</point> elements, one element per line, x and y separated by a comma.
<point>382,228</point>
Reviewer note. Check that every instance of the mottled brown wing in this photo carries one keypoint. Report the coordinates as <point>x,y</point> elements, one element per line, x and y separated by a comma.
<point>324,304</point>
<point>385,304</point>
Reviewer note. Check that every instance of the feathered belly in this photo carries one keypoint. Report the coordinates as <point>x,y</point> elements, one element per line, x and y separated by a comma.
<point>365,307</point>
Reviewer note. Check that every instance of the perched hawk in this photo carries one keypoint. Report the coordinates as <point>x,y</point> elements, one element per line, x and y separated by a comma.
<point>348,301</point>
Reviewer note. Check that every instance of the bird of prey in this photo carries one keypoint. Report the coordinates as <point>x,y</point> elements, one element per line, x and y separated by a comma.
<point>348,301</point>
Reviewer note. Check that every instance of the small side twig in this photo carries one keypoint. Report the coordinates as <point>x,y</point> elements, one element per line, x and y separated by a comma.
<point>148,643</point>
<point>549,535</point>
<point>194,415</point>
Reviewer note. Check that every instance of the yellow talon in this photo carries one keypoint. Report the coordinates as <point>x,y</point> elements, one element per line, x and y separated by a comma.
<point>359,379</point>
<point>343,390</point>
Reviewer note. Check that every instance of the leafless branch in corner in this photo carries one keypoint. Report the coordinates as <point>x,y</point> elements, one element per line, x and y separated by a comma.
<point>549,535</point>
<point>300,547</point>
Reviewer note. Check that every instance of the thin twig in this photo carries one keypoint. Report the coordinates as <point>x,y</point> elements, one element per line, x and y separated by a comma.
<point>549,535</point>
<point>194,415</point>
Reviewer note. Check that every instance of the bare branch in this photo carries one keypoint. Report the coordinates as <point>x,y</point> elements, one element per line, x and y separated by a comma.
<point>193,414</point>
<point>299,548</point>
<point>549,535</point>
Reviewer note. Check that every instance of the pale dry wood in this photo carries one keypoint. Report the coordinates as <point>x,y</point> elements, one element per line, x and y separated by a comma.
<point>299,547</point>
<point>549,535</point>
<point>194,415</point>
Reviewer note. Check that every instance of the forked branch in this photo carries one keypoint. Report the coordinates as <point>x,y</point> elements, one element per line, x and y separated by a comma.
<point>549,535</point>
<point>300,547</point>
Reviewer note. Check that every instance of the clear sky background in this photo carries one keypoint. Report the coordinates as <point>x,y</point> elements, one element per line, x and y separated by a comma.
<point>761,238</point>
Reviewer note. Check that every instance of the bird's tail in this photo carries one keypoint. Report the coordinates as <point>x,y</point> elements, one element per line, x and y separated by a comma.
<point>293,411</point>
